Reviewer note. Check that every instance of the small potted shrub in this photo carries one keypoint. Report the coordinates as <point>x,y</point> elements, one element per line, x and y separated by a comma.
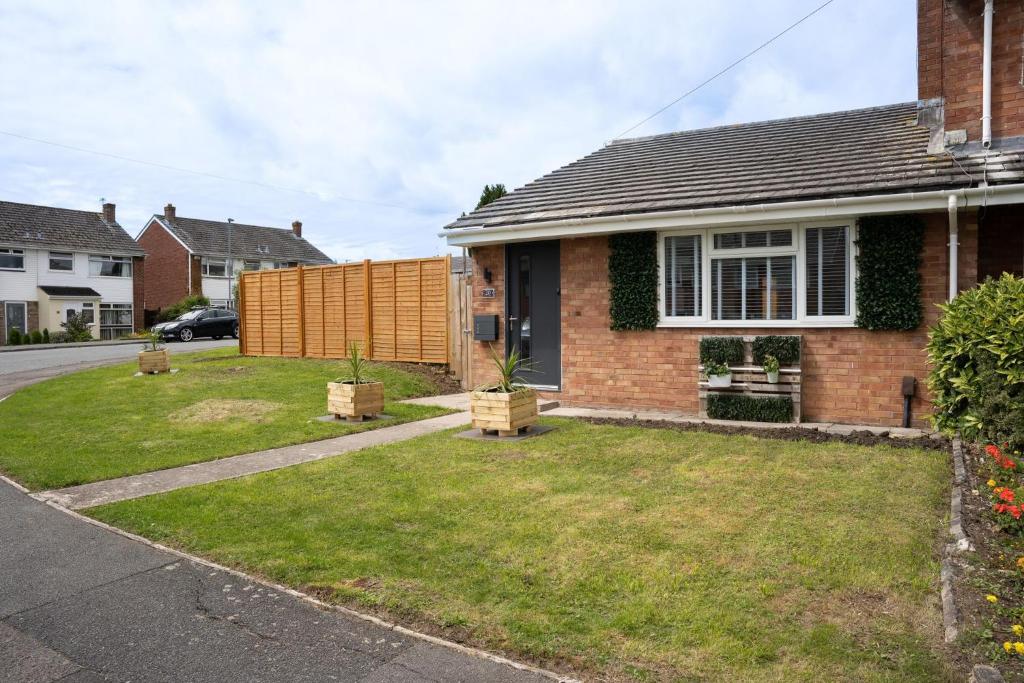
<point>508,405</point>
<point>358,396</point>
<point>771,368</point>
<point>153,357</point>
<point>719,375</point>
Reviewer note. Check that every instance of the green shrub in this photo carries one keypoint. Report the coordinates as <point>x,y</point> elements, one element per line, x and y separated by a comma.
<point>60,338</point>
<point>976,350</point>
<point>14,337</point>
<point>750,408</point>
<point>888,279</point>
<point>37,337</point>
<point>785,347</point>
<point>76,328</point>
<point>183,306</point>
<point>46,335</point>
<point>727,350</point>
<point>633,280</point>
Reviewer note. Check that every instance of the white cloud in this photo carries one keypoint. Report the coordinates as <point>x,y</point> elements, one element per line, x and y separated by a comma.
<point>416,104</point>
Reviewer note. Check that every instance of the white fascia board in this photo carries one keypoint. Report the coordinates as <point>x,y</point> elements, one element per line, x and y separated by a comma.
<point>755,214</point>
<point>156,219</point>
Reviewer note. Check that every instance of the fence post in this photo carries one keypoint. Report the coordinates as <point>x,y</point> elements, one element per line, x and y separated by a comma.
<point>367,310</point>
<point>446,278</point>
<point>241,313</point>
<point>302,314</point>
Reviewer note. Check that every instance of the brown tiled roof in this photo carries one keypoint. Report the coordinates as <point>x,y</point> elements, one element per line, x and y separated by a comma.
<point>878,150</point>
<point>210,238</point>
<point>48,226</point>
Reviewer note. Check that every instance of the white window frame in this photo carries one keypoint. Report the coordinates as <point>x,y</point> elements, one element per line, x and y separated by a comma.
<point>204,265</point>
<point>61,254</point>
<point>121,307</point>
<point>798,250</point>
<point>11,251</point>
<point>102,258</point>
<point>248,262</point>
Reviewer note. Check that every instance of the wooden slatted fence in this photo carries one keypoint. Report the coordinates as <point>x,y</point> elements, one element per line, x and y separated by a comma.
<point>394,310</point>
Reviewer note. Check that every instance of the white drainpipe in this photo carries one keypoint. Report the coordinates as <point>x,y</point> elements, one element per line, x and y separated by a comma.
<point>986,78</point>
<point>953,244</point>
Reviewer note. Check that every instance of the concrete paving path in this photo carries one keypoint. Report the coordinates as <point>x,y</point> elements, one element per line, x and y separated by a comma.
<point>136,486</point>
<point>79,603</point>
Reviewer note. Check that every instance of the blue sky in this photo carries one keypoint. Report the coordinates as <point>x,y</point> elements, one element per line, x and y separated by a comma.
<point>410,104</point>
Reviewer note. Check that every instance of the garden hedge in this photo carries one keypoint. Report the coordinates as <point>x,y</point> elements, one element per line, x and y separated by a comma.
<point>888,277</point>
<point>727,350</point>
<point>785,348</point>
<point>633,280</point>
<point>750,408</point>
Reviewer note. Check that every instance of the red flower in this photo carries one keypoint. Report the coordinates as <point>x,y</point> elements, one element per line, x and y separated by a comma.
<point>993,450</point>
<point>1015,511</point>
<point>1007,495</point>
<point>999,507</point>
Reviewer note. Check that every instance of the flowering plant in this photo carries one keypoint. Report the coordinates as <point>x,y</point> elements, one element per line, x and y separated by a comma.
<point>1006,505</point>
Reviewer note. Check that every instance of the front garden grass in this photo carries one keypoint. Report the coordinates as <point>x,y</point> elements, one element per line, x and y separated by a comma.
<point>619,553</point>
<point>106,423</point>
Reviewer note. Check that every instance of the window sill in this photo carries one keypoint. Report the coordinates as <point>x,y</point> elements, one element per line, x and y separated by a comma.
<point>755,324</point>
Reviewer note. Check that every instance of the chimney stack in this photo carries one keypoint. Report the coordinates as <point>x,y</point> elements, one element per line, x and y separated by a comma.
<point>169,212</point>
<point>108,212</point>
<point>297,228</point>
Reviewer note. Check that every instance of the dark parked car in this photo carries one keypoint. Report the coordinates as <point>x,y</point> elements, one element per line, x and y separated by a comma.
<point>201,322</point>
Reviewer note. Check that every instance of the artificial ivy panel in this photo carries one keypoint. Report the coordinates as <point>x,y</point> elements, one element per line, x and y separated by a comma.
<point>888,277</point>
<point>633,280</point>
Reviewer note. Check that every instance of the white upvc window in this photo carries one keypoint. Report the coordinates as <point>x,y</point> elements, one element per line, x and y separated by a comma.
<point>101,265</point>
<point>215,267</point>
<point>762,276</point>
<point>251,264</point>
<point>12,259</point>
<point>115,320</point>
<point>61,261</point>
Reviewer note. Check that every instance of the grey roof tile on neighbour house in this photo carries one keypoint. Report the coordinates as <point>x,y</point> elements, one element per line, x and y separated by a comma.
<point>29,225</point>
<point>210,238</point>
<point>879,150</point>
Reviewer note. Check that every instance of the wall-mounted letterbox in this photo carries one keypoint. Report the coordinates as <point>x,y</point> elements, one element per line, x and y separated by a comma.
<point>485,327</point>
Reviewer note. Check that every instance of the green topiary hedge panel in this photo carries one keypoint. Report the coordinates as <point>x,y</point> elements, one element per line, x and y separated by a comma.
<point>888,281</point>
<point>785,348</point>
<point>728,350</point>
<point>633,280</point>
<point>750,408</point>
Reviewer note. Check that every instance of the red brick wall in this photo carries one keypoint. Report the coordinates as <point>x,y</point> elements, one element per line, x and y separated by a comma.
<point>166,268</point>
<point>950,39</point>
<point>1001,242</point>
<point>196,264</point>
<point>138,292</point>
<point>492,258</point>
<point>850,375</point>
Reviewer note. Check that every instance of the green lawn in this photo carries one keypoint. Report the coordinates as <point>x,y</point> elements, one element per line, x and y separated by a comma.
<point>105,423</point>
<point>617,552</point>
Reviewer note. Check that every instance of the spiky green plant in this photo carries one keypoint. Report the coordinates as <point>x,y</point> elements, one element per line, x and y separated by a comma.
<point>154,339</point>
<point>357,365</point>
<point>510,369</point>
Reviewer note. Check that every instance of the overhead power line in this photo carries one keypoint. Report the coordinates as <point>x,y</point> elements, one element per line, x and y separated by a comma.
<point>728,68</point>
<point>204,174</point>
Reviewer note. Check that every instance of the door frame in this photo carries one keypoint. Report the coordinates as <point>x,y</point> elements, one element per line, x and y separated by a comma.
<point>508,299</point>
<point>24,307</point>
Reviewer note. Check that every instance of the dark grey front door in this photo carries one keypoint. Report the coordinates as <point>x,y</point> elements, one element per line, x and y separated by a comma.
<point>532,286</point>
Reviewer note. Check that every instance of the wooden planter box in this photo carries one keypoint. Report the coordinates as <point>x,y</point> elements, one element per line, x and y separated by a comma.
<point>355,401</point>
<point>154,361</point>
<point>503,413</point>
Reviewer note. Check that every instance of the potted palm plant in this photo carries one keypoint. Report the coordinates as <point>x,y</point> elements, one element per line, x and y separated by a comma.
<point>508,405</point>
<point>771,368</point>
<point>154,357</point>
<point>358,396</point>
<point>719,375</point>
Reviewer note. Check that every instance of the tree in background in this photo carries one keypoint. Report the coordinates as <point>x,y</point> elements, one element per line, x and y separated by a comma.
<point>490,194</point>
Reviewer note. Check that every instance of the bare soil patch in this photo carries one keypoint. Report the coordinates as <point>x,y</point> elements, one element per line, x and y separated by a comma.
<point>218,409</point>
<point>438,375</point>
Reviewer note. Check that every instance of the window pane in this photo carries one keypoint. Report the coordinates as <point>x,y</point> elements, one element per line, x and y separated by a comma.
<point>683,276</point>
<point>781,292</point>
<point>61,261</point>
<point>110,266</point>
<point>729,240</point>
<point>752,288</point>
<point>13,259</point>
<point>251,265</point>
<point>726,288</point>
<point>827,277</point>
<point>755,239</point>
<point>215,267</point>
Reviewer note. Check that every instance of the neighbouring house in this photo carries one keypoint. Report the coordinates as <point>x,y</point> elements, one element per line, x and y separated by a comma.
<point>54,262</point>
<point>759,229</point>
<point>187,256</point>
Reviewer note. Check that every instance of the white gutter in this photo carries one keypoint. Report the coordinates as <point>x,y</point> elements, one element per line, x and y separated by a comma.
<point>781,212</point>
<point>986,78</point>
<point>953,246</point>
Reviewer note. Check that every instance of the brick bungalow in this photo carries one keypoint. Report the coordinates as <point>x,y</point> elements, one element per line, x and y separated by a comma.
<point>191,255</point>
<point>757,233</point>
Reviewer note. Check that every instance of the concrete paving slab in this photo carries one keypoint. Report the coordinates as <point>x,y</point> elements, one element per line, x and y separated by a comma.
<point>335,418</point>
<point>136,486</point>
<point>529,432</point>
